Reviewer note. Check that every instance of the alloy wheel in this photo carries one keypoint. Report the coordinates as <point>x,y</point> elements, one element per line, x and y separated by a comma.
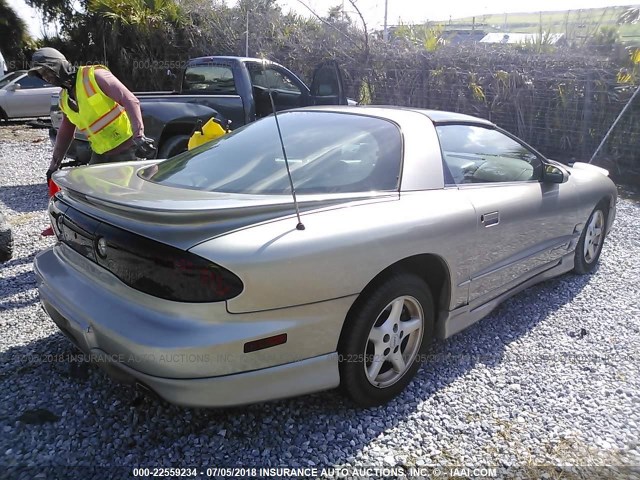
<point>394,341</point>
<point>594,236</point>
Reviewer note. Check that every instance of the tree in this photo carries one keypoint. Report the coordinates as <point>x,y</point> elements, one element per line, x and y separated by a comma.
<point>135,38</point>
<point>15,41</point>
<point>604,39</point>
<point>630,15</point>
<point>146,15</point>
<point>60,11</point>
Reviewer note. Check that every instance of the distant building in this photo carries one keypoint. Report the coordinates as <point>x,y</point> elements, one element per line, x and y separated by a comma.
<point>462,35</point>
<point>452,34</point>
<point>513,38</point>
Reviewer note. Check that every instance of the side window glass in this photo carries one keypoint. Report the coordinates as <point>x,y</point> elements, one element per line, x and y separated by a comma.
<point>32,82</point>
<point>482,155</point>
<point>271,78</point>
<point>209,78</point>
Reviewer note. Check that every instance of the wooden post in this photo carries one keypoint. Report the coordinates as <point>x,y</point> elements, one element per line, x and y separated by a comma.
<point>586,114</point>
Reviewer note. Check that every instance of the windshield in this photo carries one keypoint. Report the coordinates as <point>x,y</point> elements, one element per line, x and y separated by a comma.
<point>9,77</point>
<point>328,153</point>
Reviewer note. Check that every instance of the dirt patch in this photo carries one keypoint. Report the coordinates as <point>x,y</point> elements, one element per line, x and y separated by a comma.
<point>38,416</point>
<point>22,132</point>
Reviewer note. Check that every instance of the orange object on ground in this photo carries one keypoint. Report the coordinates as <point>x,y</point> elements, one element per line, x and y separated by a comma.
<point>53,188</point>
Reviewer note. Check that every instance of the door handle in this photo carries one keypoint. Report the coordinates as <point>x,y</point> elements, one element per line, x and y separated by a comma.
<point>489,219</point>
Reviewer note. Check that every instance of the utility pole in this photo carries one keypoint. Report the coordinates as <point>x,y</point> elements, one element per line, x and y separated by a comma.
<point>246,42</point>
<point>604,140</point>
<point>385,33</point>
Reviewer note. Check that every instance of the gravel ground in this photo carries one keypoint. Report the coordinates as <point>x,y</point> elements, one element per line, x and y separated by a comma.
<point>552,377</point>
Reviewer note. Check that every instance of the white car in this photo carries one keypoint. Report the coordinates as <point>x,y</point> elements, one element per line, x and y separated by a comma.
<point>3,65</point>
<point>22,96</point>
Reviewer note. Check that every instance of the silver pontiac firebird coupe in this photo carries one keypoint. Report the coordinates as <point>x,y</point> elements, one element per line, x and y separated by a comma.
<point>194,278</point>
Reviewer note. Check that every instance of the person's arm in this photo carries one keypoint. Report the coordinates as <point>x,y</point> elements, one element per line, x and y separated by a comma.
<point>64,137</point>
<point>114,89</point>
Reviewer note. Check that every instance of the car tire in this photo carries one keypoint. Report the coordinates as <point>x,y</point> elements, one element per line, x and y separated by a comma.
<point>591,240</point>
<point>3,115</point>
<point>6,240</point>
<point>375,337</point>
<point>173,146</point>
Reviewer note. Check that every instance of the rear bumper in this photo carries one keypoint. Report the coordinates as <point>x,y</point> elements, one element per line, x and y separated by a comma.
<point>189,354</point>
<point>289,380</point>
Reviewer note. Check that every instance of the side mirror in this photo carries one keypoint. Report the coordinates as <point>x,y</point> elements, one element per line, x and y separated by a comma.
<point>13,87</point>
<point>554,174</point>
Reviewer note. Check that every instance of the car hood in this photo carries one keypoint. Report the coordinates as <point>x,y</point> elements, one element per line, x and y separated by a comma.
<point>181,217</point>
<point>590,168</point>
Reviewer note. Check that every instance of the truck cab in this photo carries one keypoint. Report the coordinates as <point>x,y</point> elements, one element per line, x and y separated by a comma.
<point>234,90</point>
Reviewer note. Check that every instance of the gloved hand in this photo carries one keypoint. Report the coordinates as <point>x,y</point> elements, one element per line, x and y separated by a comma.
<point>144,147</point>
<point>54,165</point>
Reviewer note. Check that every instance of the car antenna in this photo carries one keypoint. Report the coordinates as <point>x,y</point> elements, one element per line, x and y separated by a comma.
<point>300,225</point>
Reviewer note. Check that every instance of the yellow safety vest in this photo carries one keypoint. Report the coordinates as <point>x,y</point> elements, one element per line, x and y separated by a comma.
<point>101,119</point>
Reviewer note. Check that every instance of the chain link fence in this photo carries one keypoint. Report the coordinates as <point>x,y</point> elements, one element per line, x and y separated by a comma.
<point>562,103</point>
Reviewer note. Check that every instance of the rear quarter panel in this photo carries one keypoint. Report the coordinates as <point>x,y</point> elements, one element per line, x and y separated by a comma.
<point>341,250</point>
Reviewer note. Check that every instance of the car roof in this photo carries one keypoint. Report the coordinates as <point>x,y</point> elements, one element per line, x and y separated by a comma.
<point>227,58</point>
<point>436,116</point>
<point>441,116</point>
<point>21,72</point>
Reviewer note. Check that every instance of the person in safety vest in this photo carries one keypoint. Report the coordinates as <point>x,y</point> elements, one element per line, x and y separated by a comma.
<point>97,104</point>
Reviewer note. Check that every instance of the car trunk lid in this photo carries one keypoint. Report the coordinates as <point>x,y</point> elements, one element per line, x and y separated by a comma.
<point>180,217</point>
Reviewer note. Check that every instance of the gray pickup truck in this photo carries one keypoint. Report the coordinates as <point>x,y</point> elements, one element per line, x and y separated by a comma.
<point>231,89</point>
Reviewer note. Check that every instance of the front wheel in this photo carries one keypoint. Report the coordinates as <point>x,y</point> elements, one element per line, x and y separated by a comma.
<point>591,240</point>
<point>385,339</point>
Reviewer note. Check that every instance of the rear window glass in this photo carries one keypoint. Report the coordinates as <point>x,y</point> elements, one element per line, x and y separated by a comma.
<point>327,152</point>
<point>209,78</point>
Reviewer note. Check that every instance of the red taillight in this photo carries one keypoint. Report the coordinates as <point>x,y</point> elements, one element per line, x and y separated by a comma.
<point>53,188</point>
<point>263,343</point>
<point>161,270</point>
<point>142,263</point>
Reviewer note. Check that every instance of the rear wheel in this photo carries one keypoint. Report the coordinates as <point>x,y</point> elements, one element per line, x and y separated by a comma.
<point>591,240</point>
<point>6,240</point>
<point>173,146</point>
<point>384,340</point>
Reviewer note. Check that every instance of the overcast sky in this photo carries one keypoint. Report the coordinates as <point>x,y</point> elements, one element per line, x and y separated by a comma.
<point>407,11</point>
